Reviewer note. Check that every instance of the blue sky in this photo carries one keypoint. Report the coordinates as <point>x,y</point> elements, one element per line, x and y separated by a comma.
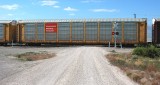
<point>66,9</point>
<point>73,9</point>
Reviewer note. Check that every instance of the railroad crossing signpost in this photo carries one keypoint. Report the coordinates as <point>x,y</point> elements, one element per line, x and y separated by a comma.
<point>115,33</point>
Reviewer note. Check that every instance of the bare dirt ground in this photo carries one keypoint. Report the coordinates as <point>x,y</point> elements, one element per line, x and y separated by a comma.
<point>71,66</point>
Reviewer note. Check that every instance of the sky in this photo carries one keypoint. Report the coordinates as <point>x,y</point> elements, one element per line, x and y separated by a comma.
<point>78,9</point>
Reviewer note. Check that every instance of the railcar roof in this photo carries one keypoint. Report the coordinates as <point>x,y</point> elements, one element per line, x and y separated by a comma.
<point>86,20</point>
<point>157,19</point>
<point>5,21</point>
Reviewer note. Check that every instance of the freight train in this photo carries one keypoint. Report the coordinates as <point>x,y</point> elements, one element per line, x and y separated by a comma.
<point>156,31</point>
<point>77,31</point>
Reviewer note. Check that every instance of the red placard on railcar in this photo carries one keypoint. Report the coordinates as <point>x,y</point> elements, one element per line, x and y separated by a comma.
<point>51,27</point>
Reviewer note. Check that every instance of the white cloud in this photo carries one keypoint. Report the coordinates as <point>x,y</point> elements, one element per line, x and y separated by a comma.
<point>10,7</point>
<point>71,14</point>
<point>33,3</point>
<point>105,10</point>
<point>56,6</point>
<point>90,1</point>
<point>70,9</point>
<point>10,14</point>
<point>48,2</point>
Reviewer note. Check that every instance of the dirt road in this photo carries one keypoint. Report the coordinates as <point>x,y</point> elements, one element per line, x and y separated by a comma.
<point>71,66</point>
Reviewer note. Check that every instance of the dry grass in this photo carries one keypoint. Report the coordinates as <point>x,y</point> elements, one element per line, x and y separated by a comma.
<point>33,56</point>
<point>145,71</point>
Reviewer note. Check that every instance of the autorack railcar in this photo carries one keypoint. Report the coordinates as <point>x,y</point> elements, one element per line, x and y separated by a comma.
<point>82,31</point>
<point>156,31</point>
<point>7,32</point>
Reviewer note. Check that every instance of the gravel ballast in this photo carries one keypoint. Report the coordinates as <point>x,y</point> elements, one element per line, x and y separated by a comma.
<point>71,66</point>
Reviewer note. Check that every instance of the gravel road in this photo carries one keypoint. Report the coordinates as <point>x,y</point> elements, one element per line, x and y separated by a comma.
<point>71,66</point>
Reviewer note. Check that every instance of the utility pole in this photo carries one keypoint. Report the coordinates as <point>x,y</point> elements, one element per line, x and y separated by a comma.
<point>134,15</point>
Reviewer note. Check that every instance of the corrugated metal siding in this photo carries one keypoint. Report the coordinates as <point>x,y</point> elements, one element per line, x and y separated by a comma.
<point>105,31</point>
<point>77,31</point>
<point>51,36</point>
<point>29,32</point>
<point>130,31</point>
<point>91,31</point>
<point>119,30</point>
<point>40,31</point>
<point>64,31</point>
<point>1,31</point>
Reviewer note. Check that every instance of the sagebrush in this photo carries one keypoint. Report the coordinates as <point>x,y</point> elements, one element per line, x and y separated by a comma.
<point>149,51</point>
